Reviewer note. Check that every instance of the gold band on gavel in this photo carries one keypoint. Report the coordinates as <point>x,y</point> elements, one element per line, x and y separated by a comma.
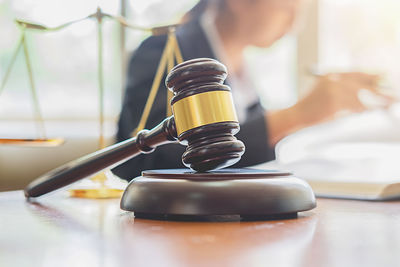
<point>202,109</point>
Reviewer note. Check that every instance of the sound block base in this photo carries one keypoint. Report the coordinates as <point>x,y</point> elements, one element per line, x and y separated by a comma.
<point>248,194</point>
<point>213,218</point>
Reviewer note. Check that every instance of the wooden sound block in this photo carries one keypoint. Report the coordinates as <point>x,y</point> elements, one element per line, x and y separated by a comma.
<point>246,192</point>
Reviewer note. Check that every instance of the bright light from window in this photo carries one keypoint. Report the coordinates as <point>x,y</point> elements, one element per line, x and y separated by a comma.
<point>361,35</point>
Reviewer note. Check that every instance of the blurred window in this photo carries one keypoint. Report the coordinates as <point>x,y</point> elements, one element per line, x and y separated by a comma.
<point>352,34</point>
<point>361,35</point>
<point>64,62</point>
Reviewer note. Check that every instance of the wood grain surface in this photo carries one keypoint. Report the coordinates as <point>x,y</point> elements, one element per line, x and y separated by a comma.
<point>60,231</point>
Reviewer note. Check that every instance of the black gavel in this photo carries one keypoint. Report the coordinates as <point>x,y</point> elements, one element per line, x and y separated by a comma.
<point>203,118</point>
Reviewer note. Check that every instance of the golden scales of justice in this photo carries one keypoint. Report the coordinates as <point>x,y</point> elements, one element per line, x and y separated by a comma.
<point>100,186</point>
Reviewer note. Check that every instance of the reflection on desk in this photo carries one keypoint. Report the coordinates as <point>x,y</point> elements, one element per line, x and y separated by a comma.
<point>61,231</point>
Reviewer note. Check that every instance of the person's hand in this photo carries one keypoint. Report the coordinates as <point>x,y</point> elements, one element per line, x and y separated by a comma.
<point>338,93</point>
<point>332,95</point>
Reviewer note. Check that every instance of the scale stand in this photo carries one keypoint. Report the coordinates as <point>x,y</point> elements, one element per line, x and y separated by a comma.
<point>101,183</point>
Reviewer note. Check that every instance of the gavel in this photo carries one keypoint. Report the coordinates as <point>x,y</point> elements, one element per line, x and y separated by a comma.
<point>204,119</point>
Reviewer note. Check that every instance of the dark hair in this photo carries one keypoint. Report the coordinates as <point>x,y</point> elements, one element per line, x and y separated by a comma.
<point>200,8</point>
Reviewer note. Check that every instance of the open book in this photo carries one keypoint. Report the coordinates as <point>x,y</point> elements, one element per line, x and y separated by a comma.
<point>357,157</point>
<point>367,179</point>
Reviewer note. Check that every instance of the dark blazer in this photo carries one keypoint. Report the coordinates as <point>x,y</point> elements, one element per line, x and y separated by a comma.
<point>142,68</point>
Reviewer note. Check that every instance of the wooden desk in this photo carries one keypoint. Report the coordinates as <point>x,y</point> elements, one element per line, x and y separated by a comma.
<point>61,231</point>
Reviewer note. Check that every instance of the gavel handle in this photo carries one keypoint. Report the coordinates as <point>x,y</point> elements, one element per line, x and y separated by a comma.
<point>144,142</point>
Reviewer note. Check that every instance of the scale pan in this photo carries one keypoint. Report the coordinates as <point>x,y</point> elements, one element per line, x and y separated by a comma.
<point>37,142</point>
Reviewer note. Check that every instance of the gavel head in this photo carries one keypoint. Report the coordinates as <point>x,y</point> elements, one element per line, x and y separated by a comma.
<point>204,114</point>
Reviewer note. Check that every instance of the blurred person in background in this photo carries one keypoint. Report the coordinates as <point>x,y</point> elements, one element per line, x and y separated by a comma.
<point>222,29</point>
